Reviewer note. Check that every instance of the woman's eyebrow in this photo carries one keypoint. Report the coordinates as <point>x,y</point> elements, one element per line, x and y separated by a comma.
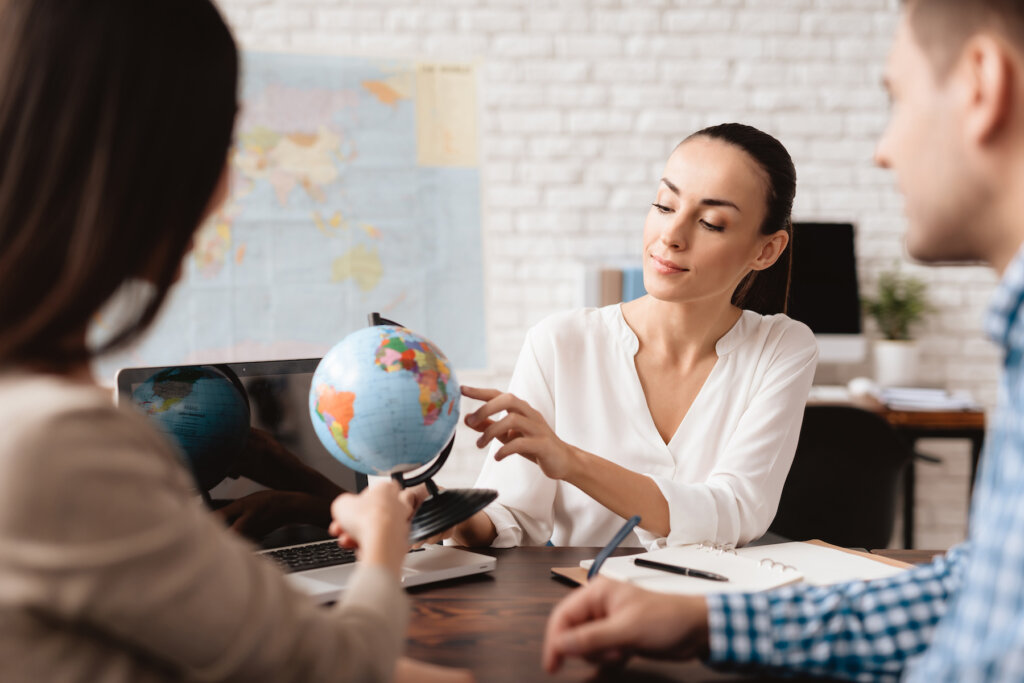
<point>705,202</point>
<point>720,202</point>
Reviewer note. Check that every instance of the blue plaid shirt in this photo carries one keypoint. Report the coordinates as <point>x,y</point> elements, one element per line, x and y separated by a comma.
<point>960,618</point>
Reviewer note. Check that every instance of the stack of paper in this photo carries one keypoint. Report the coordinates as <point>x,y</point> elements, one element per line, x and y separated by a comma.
<point>912,398</point>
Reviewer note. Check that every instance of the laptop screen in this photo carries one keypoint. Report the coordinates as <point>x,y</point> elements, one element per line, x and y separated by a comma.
<point>246,432</point>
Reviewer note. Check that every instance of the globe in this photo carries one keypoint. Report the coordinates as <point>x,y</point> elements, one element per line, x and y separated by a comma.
<point>384,400</point>
<point>202,410</point>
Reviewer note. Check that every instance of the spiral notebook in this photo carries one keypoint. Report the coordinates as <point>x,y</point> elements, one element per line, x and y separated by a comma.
<point>748,569</point>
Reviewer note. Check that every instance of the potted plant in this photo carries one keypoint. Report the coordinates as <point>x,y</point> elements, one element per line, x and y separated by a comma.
<point>899,304</point>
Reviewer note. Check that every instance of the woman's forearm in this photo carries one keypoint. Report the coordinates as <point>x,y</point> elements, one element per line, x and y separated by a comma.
<point>476,532</point>
<point>622,491</point>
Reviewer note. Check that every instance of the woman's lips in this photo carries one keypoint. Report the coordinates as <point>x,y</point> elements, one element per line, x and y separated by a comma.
<point>666,267</point>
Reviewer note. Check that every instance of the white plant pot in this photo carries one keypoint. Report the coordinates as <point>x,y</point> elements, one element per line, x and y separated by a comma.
<point>896,363</point>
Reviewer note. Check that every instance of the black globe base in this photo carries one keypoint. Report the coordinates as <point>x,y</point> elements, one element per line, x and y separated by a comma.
<point>447,508</point>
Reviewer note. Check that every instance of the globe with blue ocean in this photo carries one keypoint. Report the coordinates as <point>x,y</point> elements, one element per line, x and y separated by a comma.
<point>203,411</point>
<point>384,400</point>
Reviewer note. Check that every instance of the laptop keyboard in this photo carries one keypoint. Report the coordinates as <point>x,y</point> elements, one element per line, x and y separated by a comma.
<point>312,556</point>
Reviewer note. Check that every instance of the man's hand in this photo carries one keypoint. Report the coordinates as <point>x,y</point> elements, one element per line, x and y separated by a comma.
<point>608,621</point>
<point>376,522</point>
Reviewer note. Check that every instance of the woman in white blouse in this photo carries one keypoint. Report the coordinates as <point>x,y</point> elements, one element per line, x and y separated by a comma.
<point>682,406</point>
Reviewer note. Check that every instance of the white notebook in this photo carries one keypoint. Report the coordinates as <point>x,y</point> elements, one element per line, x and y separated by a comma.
<point>750,569</point>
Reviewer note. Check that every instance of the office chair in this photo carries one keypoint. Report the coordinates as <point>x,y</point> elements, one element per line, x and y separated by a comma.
<point>843,485</point>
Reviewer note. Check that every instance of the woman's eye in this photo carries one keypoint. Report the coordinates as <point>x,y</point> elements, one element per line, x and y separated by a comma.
<point>712,226</point>
<point>661,208</point>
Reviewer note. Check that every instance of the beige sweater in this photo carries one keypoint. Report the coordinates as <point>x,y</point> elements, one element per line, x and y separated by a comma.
<point>111,570</point>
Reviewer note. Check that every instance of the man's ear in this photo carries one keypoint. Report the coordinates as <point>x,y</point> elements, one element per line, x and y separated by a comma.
<point>771,250</point>
<point>986,73</point>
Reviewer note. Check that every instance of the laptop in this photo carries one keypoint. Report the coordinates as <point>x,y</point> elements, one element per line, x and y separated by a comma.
<point>275,394</point>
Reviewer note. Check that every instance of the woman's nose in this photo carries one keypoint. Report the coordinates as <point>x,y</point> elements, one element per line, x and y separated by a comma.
<point>674,236</point>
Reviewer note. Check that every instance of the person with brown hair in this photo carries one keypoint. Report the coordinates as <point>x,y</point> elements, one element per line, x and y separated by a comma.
<point>682,406</point>
<point>955,140</point>
<point>116,118</point>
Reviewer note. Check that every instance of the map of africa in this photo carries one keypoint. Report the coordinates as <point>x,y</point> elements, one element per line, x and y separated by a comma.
<point>355,188</point>
<point>427,366</point>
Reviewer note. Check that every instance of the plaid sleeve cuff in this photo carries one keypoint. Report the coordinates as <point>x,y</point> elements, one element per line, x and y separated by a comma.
<point>735,621</point>
<point>859,630</point>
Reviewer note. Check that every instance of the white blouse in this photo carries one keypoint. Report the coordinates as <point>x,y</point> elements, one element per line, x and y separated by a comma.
<point>723,470</point>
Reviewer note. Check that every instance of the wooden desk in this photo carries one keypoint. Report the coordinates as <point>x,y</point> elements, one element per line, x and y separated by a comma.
<point>493,624</point>
<point>912,425</point>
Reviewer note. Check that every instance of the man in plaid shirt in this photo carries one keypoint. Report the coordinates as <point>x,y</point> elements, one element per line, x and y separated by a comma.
<point>956,143</point>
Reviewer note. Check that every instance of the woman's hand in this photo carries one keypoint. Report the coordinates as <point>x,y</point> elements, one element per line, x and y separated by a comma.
<point>376,521</point>
<point>477,531</point>
<point>414,497</point>
<point>523,431</point>
<point>606,622</point>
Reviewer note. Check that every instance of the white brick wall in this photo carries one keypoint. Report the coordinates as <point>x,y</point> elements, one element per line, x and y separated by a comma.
<point>582,100</point>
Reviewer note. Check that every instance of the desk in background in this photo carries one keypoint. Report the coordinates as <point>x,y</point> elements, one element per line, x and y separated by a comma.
<point>493,624</point>
<point>912,425</point>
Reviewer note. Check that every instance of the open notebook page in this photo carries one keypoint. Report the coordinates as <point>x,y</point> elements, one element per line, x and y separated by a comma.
<point>822,564</point>
<point>745,574</point>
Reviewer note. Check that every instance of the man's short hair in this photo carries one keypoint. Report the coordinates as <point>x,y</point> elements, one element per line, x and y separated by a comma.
<point>942,27</point>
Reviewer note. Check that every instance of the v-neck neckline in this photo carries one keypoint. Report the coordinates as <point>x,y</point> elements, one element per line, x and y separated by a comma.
<point>725,344</point>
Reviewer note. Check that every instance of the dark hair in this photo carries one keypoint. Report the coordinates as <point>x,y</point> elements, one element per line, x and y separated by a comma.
<point>942,27</point>
<point>116,117</point>
<point>771,292</point>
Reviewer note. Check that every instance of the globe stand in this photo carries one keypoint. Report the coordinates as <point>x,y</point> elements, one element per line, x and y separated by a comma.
<point>443,509</point>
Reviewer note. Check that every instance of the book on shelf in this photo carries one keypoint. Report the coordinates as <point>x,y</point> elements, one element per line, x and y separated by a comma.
<point>620,285</point>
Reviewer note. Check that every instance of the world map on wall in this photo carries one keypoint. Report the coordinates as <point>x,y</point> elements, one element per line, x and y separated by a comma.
<point>355,188</point>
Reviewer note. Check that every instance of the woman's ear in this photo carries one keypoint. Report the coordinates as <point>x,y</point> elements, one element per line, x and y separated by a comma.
<point>771,250</point>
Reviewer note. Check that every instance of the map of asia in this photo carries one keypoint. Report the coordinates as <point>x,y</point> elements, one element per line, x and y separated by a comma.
<point>355,188</point>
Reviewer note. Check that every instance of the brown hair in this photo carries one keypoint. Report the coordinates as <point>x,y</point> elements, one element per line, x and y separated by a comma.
<point>116,117</point>
<point>942,27</point>
<point>765,291</point>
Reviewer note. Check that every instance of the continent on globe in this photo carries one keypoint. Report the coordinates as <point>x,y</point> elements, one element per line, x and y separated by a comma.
<point>203,411</point>
<point>171,387</point>
<point>378,400</point>
<point>396,354</point>
<point>336,409</point>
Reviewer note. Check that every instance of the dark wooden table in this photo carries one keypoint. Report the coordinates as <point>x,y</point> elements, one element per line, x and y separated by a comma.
<point>493,624</point>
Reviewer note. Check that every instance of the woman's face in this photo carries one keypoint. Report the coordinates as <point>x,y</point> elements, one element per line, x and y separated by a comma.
<point>702,234</point>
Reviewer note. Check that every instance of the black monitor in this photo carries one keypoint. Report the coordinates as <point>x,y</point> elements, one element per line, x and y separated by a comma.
<point>276,395</point>
<point>824,294</point>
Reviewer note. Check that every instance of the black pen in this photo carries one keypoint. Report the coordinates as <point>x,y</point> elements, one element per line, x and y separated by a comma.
<point>673,569</point>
